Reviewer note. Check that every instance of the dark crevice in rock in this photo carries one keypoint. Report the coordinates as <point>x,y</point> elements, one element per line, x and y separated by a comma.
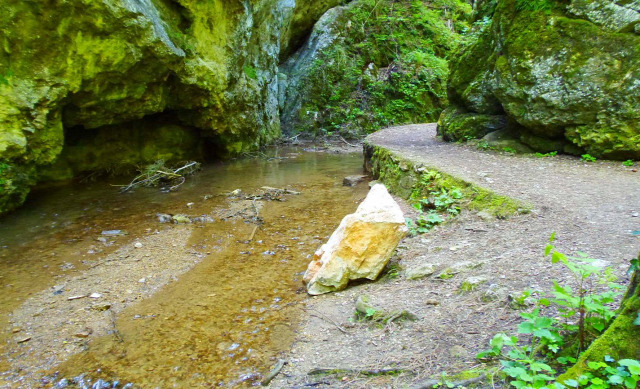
<point>120,149</point>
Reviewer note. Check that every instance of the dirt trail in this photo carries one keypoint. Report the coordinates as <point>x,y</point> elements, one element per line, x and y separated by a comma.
<point>593,207</point>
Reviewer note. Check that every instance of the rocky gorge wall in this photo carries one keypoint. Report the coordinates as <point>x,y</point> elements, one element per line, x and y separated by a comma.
<point>371,64</point>
<point>553,75</point>
<point>94,72</point>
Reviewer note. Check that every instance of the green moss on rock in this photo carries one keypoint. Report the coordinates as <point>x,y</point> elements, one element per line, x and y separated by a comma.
<point>559,76</point>
<point>455,125</point>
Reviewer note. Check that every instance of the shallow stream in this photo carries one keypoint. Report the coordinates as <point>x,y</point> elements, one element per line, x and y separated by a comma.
<point>224,322</point>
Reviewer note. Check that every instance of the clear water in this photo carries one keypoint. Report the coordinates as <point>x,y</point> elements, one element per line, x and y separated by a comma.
<point>221,324</point>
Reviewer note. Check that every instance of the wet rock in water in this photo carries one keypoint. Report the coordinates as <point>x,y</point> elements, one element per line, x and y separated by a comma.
<point>360,247</point>
<point>164,217</point>
<point>83,334</point>
<point>101,307</point>
<point>181,219</point>
<point>420,271</point>
<point>114,232</point>
<point>63,383</point>
<point>353,180</point>
<point>203,219</point>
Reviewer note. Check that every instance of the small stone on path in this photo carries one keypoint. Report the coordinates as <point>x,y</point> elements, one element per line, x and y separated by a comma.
<point>420,271</point>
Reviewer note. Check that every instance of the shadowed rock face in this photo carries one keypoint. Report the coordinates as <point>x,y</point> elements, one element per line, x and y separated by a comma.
<point>567,74</point>
<point>94,64</point>
<point>360,247</point>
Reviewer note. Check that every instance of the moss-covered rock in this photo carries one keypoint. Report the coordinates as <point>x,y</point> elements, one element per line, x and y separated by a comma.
<point>455,125</point>
<point>373,63</point>
<point>90,65</point>
<point>561,70</point>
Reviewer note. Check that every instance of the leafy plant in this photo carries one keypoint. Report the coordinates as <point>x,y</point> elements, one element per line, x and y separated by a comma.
<point>604,375</point>
<point>587,158</point>
<point>483,145</point>
<point>628,162</point>
<point>510,150</point>
<point>534,5</point>
<point>532,364</point>
<point>430,207</point>
<point>251,72</point>
<point>545,155</point>
<point>592,310</point>
<point>388,67</point>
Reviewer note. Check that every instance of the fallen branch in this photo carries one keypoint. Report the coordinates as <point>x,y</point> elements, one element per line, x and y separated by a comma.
<point>431,383</point>
<point>157,172</point>
<point>274,372</point>
<point>321,316</point>
<point>177,185</point>
<point>253,233</point>
<point>349,144</point>
<point>369,372</point>
<point>287,191</point>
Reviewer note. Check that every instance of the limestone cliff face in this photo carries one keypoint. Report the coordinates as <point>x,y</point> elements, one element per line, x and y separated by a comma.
<point>557,74</point>
<point>200,69</point>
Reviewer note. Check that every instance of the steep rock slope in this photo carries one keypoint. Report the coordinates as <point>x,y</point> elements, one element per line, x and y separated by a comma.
<point>371,64</point>
<point>88,70</point>
<point>556,75</point>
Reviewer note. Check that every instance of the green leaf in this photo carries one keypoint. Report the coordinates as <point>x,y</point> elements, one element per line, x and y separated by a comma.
<point>552,237</point>
<point>556,256</point>
<point>571,383</point>
<point>616,379</point>
<point>548,249</point>
<point>498,341</point>
<point>596,365</point>
<point>526,327</point>
<point>543,334</point>
<point>517,372</point>
<point>539,366</point>
<point>630,382</point>
<point>631,364</point>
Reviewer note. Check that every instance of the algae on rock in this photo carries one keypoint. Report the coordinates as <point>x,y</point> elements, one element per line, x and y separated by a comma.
<point>567,74</point>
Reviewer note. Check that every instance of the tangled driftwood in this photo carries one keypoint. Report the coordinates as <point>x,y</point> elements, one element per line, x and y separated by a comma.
<point>157,173</point>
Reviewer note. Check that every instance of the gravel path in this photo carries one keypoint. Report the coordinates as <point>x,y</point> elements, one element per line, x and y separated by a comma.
<point>593,207</point>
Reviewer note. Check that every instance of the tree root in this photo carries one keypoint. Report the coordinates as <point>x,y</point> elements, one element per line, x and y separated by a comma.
<point>431,383</point>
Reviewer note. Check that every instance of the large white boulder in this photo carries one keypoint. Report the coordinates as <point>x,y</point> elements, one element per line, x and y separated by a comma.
<point>360,247</point>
